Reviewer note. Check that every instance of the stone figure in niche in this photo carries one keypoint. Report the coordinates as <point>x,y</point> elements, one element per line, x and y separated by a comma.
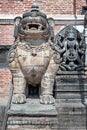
<point>71,47</point>
<point>31,57</point>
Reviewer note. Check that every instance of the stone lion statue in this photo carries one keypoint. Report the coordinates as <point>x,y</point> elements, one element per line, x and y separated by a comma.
<point>32,56</point>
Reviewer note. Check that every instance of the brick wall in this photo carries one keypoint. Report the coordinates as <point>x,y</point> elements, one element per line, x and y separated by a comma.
<point>14,8</point>
<point>6,34</point>
<point>47,6</point>
<point>5,83</point>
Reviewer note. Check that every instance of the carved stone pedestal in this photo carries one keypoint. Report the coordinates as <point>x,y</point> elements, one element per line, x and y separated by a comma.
<point>72,116</point>
<point>70,93</point>
<point>35,116</point>
<point>32,116</point>
<point>71,87</point>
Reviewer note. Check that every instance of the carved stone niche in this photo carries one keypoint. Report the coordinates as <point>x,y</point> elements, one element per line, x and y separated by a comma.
<point>71,82</point>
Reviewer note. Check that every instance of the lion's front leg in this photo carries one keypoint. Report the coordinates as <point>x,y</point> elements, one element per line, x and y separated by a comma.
<point>19,87</point>
<point>19,90</point>
<point>47,84</point>
<point>19,81</point>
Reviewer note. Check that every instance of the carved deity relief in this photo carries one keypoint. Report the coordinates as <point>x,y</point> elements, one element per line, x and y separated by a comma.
<point>71,46</point>
<point>31,57</point>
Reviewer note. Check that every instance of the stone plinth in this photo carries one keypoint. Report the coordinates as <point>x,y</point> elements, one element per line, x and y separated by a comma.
<point>32,116</point>
<point>62,116</point>
<point>72,116</point>
<point>71,87</point>
<point>36,116</point>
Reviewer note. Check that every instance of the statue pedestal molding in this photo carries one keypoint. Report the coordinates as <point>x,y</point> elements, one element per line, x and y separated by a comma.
<point>32,116</point>
<point>35,116</point>
<point>72,116</point>
<point>71,87</point>
<point>70,93</point>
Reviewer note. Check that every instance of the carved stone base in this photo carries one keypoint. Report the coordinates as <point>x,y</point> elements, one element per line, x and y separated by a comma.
<point>68,113</point>
<point>32,116</point>
<point>71,87</point>
<point>35,116</point>
<point>72,116</point>
<point>32,123</point>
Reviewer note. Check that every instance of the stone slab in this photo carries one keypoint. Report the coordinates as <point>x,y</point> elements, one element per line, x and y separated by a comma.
<point>32,108</point>
<point>71,87</point>
<point>70,116</point>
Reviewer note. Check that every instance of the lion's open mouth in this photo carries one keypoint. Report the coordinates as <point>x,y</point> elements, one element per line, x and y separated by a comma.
<point>33,26</point>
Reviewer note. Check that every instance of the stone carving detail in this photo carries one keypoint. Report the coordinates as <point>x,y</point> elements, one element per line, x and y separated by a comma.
<point>31,57</point>
<point>71,46</point>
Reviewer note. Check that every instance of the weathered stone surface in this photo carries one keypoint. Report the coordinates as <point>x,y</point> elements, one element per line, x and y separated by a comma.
<point>31,57</point>
<point>32,115</point>
<point>69,116</point>
<point>70,87</point>
<point>32,108</point>
<point>71,46</point>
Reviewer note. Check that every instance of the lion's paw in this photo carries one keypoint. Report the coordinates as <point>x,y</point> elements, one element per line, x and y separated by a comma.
<point>19,99</point>
<point>47,99</point>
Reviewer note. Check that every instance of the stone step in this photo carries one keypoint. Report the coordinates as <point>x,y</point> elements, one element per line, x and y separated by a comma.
<point>68,116</point>
<point>70,87</point>
<point>72,116</point>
